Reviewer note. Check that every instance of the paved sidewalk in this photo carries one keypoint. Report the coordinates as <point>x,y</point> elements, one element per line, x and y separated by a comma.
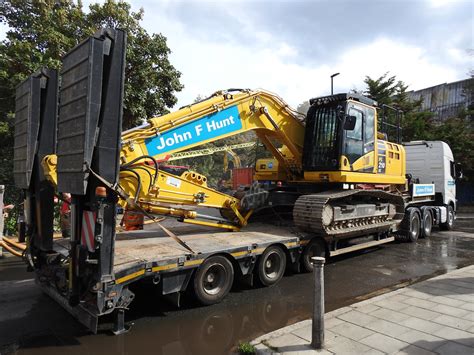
<point>431,317</point>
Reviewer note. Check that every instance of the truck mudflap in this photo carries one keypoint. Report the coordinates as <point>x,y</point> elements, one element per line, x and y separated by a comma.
<point>348,213</point>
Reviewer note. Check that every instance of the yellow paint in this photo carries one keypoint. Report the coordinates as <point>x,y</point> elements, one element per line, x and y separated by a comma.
<point>193,262</point>
<point>240,253</point>
<point>212,224</point>
<point>353,177</point>
<point>164,267</point>
<point>130,276</point>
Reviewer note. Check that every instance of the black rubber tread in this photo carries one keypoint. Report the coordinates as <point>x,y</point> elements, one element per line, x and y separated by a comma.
<point>318,245</point>
<point>201,295</point>
<point>405,227</point>
<point>446,226</point>
<point>263,279</point>
<point>307,213</point>
<point>426,215</point>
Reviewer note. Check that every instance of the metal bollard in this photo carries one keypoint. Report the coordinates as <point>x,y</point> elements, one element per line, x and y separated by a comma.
<point>318,303</point>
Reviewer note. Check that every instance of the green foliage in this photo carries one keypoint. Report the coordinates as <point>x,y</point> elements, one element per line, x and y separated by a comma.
<point>382,89</point>
<point>41,32</point>
<point>459,134</point>
<point>246,349</point>
<point>212,166</point>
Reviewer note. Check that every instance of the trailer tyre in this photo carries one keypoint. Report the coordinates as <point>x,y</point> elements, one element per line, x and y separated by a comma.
<point>427,224</point>
<point>213,280</point>
<point>449,220</point>
<point>315,247</point>
<point>271,266</point>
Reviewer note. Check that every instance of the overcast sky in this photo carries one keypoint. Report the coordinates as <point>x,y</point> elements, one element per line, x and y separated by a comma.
<point>292,47</point>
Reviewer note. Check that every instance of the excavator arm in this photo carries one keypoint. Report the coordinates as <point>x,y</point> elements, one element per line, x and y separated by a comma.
<point>146,186</point>
<point>222,115</point>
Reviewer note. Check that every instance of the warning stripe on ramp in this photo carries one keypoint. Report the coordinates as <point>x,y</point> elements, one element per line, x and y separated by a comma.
<point>88,228</point>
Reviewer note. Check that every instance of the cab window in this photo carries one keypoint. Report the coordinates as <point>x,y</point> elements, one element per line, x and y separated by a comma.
<point>369,129</point>
<point>356,133</point>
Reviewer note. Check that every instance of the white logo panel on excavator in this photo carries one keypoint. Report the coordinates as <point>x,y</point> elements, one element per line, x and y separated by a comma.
<point>207,127</point>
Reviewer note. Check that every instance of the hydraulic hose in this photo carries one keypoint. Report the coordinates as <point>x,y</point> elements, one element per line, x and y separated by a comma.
<point>10,249</point>
<point>137,177</point>
<point>14,244</point>
<point>155,163</point>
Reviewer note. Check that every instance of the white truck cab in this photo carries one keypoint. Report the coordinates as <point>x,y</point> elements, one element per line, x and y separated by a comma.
<point>432,162</point>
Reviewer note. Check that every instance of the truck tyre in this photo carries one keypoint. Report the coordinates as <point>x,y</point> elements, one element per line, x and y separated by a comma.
<point>411,225</point>
<point>271,266</point>
<point>213,280</point>
<point>316,247</point>
<point>427,224</point>
<point>415,226</point>
<point>449,224</point>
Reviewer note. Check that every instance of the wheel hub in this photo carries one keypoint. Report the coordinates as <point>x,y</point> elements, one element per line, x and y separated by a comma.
<point>272,265</point>
<point>214,279</point>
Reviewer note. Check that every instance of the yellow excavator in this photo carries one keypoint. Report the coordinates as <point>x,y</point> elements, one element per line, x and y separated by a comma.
<point>332,166</point>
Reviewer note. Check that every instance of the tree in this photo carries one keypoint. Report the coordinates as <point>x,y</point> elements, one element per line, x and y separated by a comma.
<point>388,91</point>
<point>41,32</point>
<point>382,89</point>
<point>457,131</point>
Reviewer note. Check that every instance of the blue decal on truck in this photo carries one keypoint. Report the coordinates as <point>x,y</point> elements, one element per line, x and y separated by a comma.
<point>200,130</point>
<point>423,189</point>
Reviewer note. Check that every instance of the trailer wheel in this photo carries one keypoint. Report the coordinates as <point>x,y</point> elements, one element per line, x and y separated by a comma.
<point>315,247</point>
<point>449,220</point>
<point>271,266</point>
<point>414,225</point>
<point>427,224</point>
<point>213,280</point>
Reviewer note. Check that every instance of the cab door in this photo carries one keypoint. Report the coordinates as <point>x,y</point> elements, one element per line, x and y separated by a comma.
<point>359,143</point>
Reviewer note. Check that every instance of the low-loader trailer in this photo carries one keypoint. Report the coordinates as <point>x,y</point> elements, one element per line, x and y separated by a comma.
<point>336,173</point>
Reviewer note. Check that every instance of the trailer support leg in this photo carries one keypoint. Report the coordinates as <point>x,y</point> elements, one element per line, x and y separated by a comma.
<point>119,325</point>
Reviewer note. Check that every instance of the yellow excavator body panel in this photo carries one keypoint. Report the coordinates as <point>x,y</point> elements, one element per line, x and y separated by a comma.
<point>144,185</point>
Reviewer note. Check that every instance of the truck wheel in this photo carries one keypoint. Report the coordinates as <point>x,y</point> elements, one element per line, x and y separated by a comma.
<point>315,247</point>
<point>427,224</point>
<point>415,226</point>
<point>411,225</point>
<point>271,266</point>
<point>213,280</point>
<point>449,220</point>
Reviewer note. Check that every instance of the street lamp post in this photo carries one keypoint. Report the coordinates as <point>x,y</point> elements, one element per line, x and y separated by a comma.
<point>332,87</point>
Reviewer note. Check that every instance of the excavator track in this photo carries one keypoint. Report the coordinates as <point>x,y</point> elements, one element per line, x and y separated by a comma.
<point>348,213</point>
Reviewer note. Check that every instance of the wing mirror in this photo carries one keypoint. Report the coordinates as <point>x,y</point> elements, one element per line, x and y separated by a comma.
<point>350,122</point>
<point>459,172</point>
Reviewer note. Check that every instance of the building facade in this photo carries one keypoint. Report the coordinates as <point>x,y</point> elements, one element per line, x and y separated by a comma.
<point>445,100</point>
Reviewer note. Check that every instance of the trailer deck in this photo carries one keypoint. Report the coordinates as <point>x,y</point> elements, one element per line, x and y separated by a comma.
<point>151,254</point>
<point>144,253</point>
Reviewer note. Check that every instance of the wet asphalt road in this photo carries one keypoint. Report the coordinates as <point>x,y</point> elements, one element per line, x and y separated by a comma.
<point>32,323</point>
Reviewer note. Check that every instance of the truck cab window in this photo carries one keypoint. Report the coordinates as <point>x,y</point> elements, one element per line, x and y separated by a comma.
<point>452,169</point>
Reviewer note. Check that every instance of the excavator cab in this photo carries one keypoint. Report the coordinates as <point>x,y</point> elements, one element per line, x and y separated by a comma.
<point>341,145</point>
